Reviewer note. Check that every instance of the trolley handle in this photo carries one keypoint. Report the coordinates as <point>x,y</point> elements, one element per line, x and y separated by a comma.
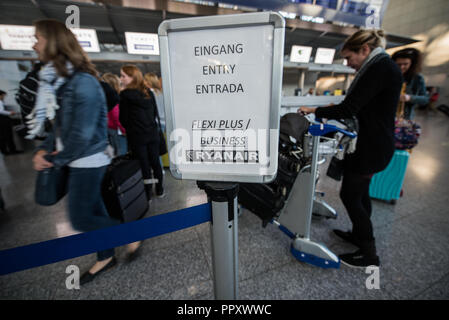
<point>320,129</point>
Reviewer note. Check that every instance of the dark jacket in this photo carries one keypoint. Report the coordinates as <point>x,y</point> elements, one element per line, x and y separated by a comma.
<point>374,102</point>
<point>137,115</point>
<point>112,97</point>
<point>81,120</point>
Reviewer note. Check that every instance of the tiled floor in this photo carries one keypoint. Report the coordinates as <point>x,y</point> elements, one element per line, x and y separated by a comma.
<point>412,240</point>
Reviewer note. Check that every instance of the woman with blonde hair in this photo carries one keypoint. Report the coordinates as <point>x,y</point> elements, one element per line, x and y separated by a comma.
<point>372,98</point>
<point>79,139</point>
<point>152,82</point>
<point>138,116</point>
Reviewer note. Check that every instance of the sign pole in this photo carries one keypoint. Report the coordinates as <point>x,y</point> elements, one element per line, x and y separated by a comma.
<point>222,80</point>
<point>224,237</point>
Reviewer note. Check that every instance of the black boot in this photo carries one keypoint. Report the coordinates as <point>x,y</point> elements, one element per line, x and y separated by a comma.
<point>148,190</point>
<point>362,258</point>
<point>160,190</point>
<point>347,236</point>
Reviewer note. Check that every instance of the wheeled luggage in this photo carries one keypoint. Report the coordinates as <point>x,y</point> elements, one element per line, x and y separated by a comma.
<point>261,199</point>
<point>288,169</point>
<point>387,185</point>
<point>267,200</point>
<point>123,190</point>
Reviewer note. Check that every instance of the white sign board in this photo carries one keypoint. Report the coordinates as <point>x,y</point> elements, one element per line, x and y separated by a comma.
<point>87,38</point>
<point>300,54</point>
<point>142,43</point>
<point>222,79</point>
<point>324,56</point>
<point>17,37</point>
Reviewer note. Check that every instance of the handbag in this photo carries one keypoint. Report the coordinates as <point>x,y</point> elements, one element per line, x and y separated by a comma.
<point>335,169</point>
<point>406,132</point>
<point>162,144</point>
<point>51,185</point>
<point>347,146</point>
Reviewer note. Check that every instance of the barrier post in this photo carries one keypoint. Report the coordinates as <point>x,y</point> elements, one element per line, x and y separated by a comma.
<point>224,237</point>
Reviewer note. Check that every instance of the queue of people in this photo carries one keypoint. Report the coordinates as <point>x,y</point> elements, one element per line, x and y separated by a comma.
<point>92,112</point>
<point>88,114</point>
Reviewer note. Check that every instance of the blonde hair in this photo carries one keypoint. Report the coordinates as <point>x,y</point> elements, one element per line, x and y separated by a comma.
<point>112,80</point>
<point>152,81</point>
<point>62,46</point>
<point>138,82</point>
<point>373,38</point>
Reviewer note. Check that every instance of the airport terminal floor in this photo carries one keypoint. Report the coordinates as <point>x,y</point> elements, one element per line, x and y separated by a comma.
<point>411,238</point>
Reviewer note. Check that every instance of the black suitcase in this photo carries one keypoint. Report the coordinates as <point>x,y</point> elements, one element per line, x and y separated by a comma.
<point>267,200</point>
<point>288,169</point>
<point>123,190</point>
<point>263,200</point>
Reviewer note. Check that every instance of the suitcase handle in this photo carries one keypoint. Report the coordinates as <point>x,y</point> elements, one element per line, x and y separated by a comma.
<point>322,129</point>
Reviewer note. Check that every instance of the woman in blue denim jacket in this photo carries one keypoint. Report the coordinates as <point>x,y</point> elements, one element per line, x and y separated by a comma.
<point>410,61</point>
<point>75,99</point>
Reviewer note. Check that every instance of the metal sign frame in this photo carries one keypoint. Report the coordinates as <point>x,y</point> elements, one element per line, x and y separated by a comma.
<point>223,22</point>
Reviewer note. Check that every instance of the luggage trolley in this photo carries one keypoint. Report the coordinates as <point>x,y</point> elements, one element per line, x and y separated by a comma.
<point>296,216</point>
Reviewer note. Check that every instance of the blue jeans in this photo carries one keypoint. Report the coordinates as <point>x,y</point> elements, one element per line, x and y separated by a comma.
<point>87,211</point>
<point>118,142</point>
<point>122,145</point>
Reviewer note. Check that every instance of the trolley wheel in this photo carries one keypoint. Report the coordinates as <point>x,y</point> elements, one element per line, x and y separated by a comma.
<point>393,202</point>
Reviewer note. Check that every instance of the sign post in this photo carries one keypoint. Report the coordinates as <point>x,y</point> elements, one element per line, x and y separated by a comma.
<point>222,79</point>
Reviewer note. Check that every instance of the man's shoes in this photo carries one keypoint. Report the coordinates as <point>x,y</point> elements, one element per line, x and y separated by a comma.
<point>347,236</point>
<point>88,277</point>
<point>359,260</point>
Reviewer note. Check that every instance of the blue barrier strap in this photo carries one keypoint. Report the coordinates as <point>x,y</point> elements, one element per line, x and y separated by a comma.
<point>43,253</point>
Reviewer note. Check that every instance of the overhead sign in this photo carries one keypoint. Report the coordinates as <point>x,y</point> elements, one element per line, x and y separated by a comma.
<point>324,56</point>
<point>17,37</point>
<point>363,13</point>
<point>222,78</point>
<point>22,38</point>
<point>142,43</point>
<point>300,54</point>
<point>87,38</point>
